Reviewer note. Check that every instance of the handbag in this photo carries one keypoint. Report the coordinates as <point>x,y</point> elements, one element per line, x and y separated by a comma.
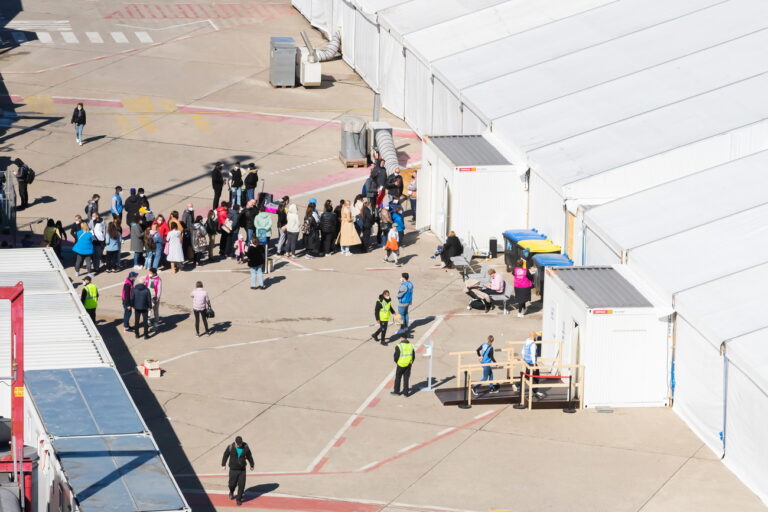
<point>227,226</point>
<point>209,312</point>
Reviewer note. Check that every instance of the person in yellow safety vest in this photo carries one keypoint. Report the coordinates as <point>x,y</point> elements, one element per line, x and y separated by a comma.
<point>381,314</point>
<point>405,353</point>
<point>90,297</point>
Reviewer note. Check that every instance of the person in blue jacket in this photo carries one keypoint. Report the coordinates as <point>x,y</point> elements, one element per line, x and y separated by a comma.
<point>404,300</point>
<point>83,248</point>
<point>397,218</point>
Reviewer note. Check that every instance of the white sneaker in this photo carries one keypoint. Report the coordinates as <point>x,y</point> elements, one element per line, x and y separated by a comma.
<point>520,315</point>
<point>80,142</point>
<point>137,267</point>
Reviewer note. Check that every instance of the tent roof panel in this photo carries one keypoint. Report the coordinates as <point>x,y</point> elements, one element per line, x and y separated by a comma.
<point>596,26</point>
<point>489,24</point>
<point>374,6</point>
<point>416,15</point>
<point>651,133</point>
<point>750,353</point>
<point>682,204</point>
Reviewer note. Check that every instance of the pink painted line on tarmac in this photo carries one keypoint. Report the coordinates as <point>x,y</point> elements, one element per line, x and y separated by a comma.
<point>390,384</point>
<point>88,102</point>
<point>431,441</point>
<point>320,465</point>
<point>374,402</point>
<point>339,442</point>
<point>267,502</point>
<point>357,421</point>
<point>321,182</point>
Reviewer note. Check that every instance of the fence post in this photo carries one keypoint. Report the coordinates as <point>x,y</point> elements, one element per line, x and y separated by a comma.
<point>466,404</point>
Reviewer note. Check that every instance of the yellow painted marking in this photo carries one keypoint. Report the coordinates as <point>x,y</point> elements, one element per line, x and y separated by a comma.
<point>42,103</point>
<point>140,104</point>
<point>126,125</point>
<point>147,124</point>
<point>201,122</point>
<point>167,105</point>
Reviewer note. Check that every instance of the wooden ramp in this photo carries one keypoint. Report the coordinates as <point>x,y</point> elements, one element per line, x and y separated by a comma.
<point>555,398</point>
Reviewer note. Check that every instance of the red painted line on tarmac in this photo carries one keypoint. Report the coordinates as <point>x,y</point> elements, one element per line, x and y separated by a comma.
<point>357,421</point>
<point>430,441</point>
<point>338,443</point>
<point>390,384</point>
<point>320,465</point>
<point>266,502</point>
<point>88,102</point>
<point>374,402</point>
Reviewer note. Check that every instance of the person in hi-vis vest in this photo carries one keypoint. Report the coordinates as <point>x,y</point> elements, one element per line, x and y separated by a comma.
<point>405,353</point>
<point>90,297</point>
<point>382,313</point>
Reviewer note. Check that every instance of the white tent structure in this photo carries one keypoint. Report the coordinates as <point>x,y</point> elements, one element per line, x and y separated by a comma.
<point>599,100</point>
<point>701,243</point>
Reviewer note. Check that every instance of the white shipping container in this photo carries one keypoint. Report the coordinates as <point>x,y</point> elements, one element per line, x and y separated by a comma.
<point>611,328</point>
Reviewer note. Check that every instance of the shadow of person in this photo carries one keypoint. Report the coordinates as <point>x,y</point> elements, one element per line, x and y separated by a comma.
<point>170,322</point>
<point>93,139</point>
<point>258,491</point>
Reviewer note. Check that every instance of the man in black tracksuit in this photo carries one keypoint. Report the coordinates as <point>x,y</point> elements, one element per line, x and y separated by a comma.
<point>237,454</point>
<point>217,182</point>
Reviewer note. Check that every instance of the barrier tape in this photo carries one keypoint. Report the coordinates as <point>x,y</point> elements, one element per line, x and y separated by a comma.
<point>547,376</point>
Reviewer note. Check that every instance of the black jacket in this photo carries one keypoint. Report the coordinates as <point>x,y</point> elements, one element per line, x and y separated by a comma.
<point>217,179</point>
<point>451,248</point>
<point>144,202</point>
<point>255,256</point>
<point>251,179</point>
<point>188,219</point>
<point>395,185</point>
<point>131,206</point>
<point>282,217</point>
<point>379,174</point>
<point>78,116</point>
<point>128,293</point>
<point>237,178</point>
<point>328,222</point>
<point>235,462</point>
<point>142,298</point>
<point>250,215</point>
<point>367,216</point>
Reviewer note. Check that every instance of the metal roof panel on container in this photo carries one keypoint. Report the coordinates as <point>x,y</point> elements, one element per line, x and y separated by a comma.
<point>118,474</point>
<point>490,24</point>
<point>35,281</point>
<point>83,402</point>
<point>469,150</point>
<point>419,14</point>
<point>706,253</point>
<point>681,204</point>
<point>651,133</point>
<point>638,72</point>
<point>596,26</point>
<point>601,287</point>
<point>26,260</point>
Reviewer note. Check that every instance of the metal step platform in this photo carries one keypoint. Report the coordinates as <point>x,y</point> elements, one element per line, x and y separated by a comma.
<point>555,398</point>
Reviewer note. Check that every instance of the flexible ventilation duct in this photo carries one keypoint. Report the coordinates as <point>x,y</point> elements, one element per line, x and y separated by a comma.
<point>331,49</point>
<point>387,151</point>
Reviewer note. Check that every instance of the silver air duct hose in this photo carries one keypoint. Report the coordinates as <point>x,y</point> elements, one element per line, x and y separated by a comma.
<point>330,50</point>
<point>387,151</point>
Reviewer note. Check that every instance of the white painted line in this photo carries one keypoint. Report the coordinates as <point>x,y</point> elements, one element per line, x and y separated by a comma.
<point>445,431</point>
<point>102,288</point>
<point>44,37</point>
<point>94,37</point>
<point>144,37</point>
<point>367,466</point>
<point>410,446</point>
<point>430,507</point>
<point>329,187</point>
<point>119,37</point>
<point>162,28</point>
<point>486,413</point>
<point>20,37</point>
<point>69,37</point>
<point>368,400</point>
<point>281,171</point>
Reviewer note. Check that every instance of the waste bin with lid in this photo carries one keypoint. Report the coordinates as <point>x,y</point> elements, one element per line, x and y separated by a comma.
<point>547,260</point>
<point>511,238</point>
<point>529,248</point>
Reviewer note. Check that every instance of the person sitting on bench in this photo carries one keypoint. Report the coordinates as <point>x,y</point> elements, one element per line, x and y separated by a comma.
<point>496,286</point>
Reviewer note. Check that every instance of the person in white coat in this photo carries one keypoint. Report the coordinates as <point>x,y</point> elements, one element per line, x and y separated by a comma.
<point>292,229</point>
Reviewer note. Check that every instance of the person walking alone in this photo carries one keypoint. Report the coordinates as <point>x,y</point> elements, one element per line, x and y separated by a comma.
<point>382,313</point>
<point>522,284</point>
<point>237,454</point>
<point>155,285</point>
<point>126,295</point>
<point>404,356</point>
<point>200,303</point>
<point>78,119</point>
<point>141,302</point>
<point>90,297</point>
<point>485,353</point>
<point>404,300</point>
<point>256,260</point>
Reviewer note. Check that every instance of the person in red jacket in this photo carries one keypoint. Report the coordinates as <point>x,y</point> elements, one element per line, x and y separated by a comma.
<point>221,217</point>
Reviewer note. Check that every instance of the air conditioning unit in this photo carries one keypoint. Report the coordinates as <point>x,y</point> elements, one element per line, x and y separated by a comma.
<point>353,143</point>
<point>310,74</point>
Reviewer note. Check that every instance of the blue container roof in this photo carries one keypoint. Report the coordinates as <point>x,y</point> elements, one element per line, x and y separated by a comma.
<point>118,474</point>
<point>83,402</point>
<point>517,235</point>
<point>552,260</point>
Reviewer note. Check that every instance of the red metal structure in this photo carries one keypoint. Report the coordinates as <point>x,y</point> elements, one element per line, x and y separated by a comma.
<point>15,463</point>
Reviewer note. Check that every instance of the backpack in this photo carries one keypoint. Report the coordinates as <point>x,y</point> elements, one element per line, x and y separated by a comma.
<point>29,174</point>
<point>151,245</point>
<point>211,227</point>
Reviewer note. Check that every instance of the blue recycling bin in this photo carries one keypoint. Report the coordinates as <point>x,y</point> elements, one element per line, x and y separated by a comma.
<point>540,261</point>
<point>511,238</point>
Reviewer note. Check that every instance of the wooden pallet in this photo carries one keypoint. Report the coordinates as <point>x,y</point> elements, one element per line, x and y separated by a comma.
<point>281,86</point>
<point>359,162</point>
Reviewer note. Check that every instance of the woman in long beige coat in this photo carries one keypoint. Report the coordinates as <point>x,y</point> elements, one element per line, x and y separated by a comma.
<point>347,233</point>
